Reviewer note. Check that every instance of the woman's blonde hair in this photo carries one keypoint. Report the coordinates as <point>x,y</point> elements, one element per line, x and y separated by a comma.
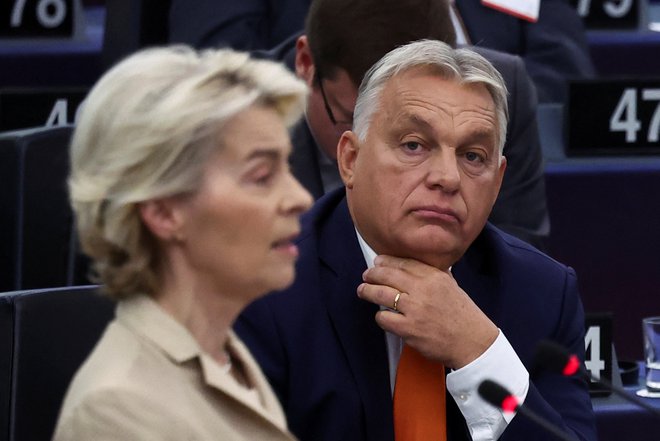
<point>145,132</point>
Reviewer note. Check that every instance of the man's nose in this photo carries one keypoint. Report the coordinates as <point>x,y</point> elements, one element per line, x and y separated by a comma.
<point>443,170</point>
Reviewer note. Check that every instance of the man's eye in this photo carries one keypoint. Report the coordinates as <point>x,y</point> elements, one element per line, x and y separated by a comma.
<point>412,146</point>
<point>474,157</point>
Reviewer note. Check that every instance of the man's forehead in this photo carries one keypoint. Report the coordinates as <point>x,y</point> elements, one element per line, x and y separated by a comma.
<point>405,92</point>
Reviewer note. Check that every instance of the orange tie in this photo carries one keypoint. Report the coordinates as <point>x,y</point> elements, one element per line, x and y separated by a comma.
<point>419,399</point>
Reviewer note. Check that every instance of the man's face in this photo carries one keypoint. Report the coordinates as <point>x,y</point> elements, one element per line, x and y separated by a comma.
<point>331,97</point>
<point>424,181</point>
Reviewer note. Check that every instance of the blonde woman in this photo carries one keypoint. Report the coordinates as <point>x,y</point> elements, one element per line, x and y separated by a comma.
<point>185,203</point>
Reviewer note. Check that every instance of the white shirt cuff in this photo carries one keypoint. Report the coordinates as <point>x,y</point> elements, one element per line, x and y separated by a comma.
<point>501,364</point>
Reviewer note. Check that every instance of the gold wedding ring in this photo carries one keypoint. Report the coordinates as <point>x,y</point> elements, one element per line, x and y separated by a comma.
<point>396,302</point>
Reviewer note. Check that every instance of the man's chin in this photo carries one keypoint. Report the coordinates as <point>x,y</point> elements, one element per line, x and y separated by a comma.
<point>440,252</point>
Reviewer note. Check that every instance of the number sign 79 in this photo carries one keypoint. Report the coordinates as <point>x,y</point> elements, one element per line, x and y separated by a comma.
<point>613,9</point>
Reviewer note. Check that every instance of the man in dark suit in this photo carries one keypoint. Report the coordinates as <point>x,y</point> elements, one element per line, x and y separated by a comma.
<point>338,49</point>
<point>554,48</point>
<point>244,24</point>
<point>422,168</point>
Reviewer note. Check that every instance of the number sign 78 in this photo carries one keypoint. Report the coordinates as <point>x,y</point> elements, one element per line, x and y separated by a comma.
<point>47,18</point>
<point>624,118</point>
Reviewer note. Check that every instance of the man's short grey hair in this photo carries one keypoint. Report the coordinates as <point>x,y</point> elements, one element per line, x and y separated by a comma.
<point>463,65</point>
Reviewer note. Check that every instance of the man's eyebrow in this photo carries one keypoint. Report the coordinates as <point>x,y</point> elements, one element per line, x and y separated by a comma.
<point>481,134</point>
<point>408,119</point>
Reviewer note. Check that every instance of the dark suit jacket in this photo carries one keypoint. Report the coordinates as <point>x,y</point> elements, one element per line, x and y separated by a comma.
<point>521,207</point>
<point>326,358</point>
<point>241,24</point>
<point>554,48</point>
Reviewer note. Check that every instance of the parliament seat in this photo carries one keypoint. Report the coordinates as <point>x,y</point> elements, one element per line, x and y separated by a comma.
<point>38,247</point>
<point>45,335</point>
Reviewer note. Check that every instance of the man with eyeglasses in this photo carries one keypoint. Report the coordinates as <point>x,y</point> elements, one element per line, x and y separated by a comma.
<point>343,40</point>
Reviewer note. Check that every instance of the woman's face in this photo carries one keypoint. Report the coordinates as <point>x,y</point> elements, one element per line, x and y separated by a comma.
<point>238,229</point>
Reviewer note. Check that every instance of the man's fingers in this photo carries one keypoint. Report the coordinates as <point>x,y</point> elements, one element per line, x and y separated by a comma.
<point>382,295</point>
<point>392,322</point>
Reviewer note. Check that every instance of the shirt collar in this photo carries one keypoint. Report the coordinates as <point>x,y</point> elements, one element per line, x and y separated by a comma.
<point>367,252</point>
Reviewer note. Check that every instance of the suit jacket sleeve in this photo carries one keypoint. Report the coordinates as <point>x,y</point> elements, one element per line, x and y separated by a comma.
<point>565,401</point>
<point>521,208</point>
<point>555,50</point>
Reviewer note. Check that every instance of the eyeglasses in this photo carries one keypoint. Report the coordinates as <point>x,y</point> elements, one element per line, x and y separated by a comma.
<point>339,124</point>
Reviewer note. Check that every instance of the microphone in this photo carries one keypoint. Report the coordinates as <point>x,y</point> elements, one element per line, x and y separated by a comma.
<point>498,396</point>
<point>553,357</point>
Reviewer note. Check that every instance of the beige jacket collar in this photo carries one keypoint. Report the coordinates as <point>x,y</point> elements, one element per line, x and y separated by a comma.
<point>143,315</point>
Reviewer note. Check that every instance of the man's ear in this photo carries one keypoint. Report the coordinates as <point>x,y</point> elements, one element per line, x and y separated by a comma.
<point>305,68</point>
<point>500,171</point>
<point>348,149</point>
<point>163,218</point>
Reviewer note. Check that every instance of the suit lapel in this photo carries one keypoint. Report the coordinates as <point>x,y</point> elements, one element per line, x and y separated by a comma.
<point>476,276</point>
<point>362,341</point>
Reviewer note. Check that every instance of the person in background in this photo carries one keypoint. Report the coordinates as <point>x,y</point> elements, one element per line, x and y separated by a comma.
<point>332,58</point>
<point>554,47</point>
<point>185,204</point>
<point>401,277</point>
<point>245,24</point>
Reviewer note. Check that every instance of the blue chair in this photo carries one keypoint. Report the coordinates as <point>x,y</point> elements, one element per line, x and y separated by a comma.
<point>45,335</point>
<point>38,247</point>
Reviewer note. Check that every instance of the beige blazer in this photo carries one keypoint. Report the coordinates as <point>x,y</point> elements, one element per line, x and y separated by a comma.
<point>148,379</point>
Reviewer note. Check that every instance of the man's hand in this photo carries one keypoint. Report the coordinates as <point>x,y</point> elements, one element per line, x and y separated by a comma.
<point>434,315</point>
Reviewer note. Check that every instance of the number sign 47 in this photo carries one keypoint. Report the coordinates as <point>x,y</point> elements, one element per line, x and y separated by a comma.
<point>624,118</point>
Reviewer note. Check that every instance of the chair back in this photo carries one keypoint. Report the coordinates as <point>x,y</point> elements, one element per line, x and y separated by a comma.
<point>45,335</point>
<point>38,247</point>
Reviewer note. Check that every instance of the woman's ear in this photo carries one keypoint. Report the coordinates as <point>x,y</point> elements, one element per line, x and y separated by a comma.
<point>163,218</point>
<point>348,149</point>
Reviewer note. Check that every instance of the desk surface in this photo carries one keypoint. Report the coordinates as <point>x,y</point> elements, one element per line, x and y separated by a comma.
<point>620,420</point>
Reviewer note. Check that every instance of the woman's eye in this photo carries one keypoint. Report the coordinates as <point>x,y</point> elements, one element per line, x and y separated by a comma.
<point>263,176</point>
<point>264,179</point>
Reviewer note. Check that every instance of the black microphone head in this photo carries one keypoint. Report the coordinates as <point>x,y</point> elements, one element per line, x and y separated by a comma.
<point>497,396</point>
<point>553,357</point>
